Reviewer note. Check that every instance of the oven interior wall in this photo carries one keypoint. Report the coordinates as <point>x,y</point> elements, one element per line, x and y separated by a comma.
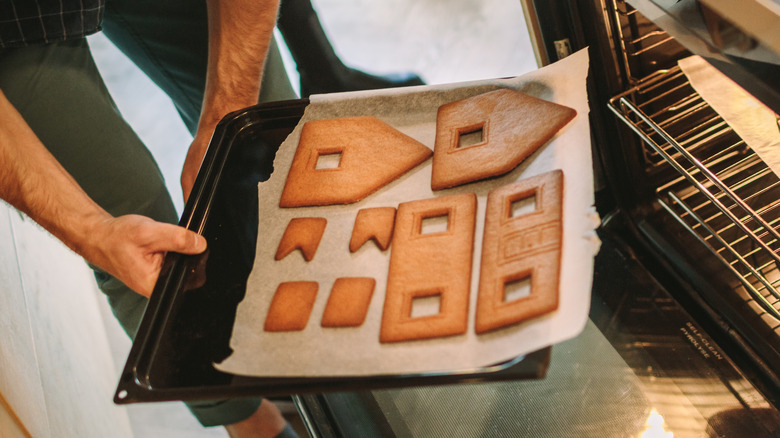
<point>691,200</point>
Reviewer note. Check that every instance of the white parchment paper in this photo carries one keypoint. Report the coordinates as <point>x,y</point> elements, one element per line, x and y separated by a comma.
<point>317,351</point>
<point>751,119</point>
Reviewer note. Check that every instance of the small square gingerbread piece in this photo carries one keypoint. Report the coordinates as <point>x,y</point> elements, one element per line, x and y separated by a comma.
<point>348,302</point>
<point>291,306</point>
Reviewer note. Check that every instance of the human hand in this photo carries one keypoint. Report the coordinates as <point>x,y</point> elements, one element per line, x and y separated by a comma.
<point>195,154</point>
<point>132,248</point>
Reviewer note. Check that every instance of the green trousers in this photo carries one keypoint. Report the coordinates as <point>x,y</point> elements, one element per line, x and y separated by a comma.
<point>59,92</point>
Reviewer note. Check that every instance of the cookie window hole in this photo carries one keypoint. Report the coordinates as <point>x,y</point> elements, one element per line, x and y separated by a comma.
<point>471,136</point>
<point>435,224</point>
<point>522,206</point>
<point>517,289</point>
<point>428,305</point>
<point>330,160</point>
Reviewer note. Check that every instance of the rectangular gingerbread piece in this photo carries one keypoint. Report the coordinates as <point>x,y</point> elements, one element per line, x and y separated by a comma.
<point>430,264</point>
<point>521,247</point>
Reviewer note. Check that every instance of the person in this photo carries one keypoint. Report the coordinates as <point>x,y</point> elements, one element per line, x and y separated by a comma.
<point>70,162</point>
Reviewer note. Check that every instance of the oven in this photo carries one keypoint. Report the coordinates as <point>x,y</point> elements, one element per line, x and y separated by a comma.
<point>710,202</point>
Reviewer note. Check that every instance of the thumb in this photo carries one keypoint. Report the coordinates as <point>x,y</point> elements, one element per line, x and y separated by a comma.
<point>178,239</point>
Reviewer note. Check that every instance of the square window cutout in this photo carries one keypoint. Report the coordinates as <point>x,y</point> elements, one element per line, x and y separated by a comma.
<point>471,136</point>
<point>517,289</point>
<point>426,305</point>
<point>435,224</point>
<point>330,160</point>
<point>522,206</point>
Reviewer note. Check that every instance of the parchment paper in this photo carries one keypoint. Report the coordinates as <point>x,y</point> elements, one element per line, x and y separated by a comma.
<point>751,119</point>
<point>316,351</point>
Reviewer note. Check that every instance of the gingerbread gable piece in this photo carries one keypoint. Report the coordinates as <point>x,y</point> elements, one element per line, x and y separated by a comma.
<point>341,161</point>
<point>490,134</point>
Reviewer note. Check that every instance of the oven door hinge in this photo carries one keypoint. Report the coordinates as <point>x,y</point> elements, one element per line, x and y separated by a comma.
<point>562,48</point>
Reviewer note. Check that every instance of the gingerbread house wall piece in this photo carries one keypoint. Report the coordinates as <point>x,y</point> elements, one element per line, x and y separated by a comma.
<point>521,247</point>
<point>433,263</point>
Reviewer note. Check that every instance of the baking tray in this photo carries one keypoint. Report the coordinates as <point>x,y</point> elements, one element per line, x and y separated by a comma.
<point>189,319</point>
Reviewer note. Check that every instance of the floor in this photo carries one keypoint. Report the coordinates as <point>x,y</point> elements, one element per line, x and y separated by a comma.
<point>443,41</point>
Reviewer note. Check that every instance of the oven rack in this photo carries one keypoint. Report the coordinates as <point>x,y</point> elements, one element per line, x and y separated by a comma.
<point>635,37</point>
<point>719,189</point>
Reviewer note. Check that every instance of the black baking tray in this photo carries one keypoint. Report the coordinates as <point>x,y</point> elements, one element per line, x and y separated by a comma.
<point>189,319</point>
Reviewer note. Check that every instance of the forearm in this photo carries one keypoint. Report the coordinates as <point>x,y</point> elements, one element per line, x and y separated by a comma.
<point>34,182</point>
<point>129,247</point>
<point>239,36</point>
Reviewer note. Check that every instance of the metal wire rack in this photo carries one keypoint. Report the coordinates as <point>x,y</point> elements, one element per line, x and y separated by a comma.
<point>634,41</point>
<point>719,189</point>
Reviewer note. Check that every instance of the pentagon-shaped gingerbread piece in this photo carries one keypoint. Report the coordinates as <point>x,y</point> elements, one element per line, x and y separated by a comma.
<point>363,155</point>
<point>490,134</point>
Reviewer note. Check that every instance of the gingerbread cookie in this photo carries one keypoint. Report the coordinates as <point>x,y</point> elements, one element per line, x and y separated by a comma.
<point>520,248</point>
<point>433,263</point>
<point>363,154</point>
<point>373,224</point>
<point>490,134</point>
<point>348,302</point>
<point>291,306</point>
<point>303,233</point>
